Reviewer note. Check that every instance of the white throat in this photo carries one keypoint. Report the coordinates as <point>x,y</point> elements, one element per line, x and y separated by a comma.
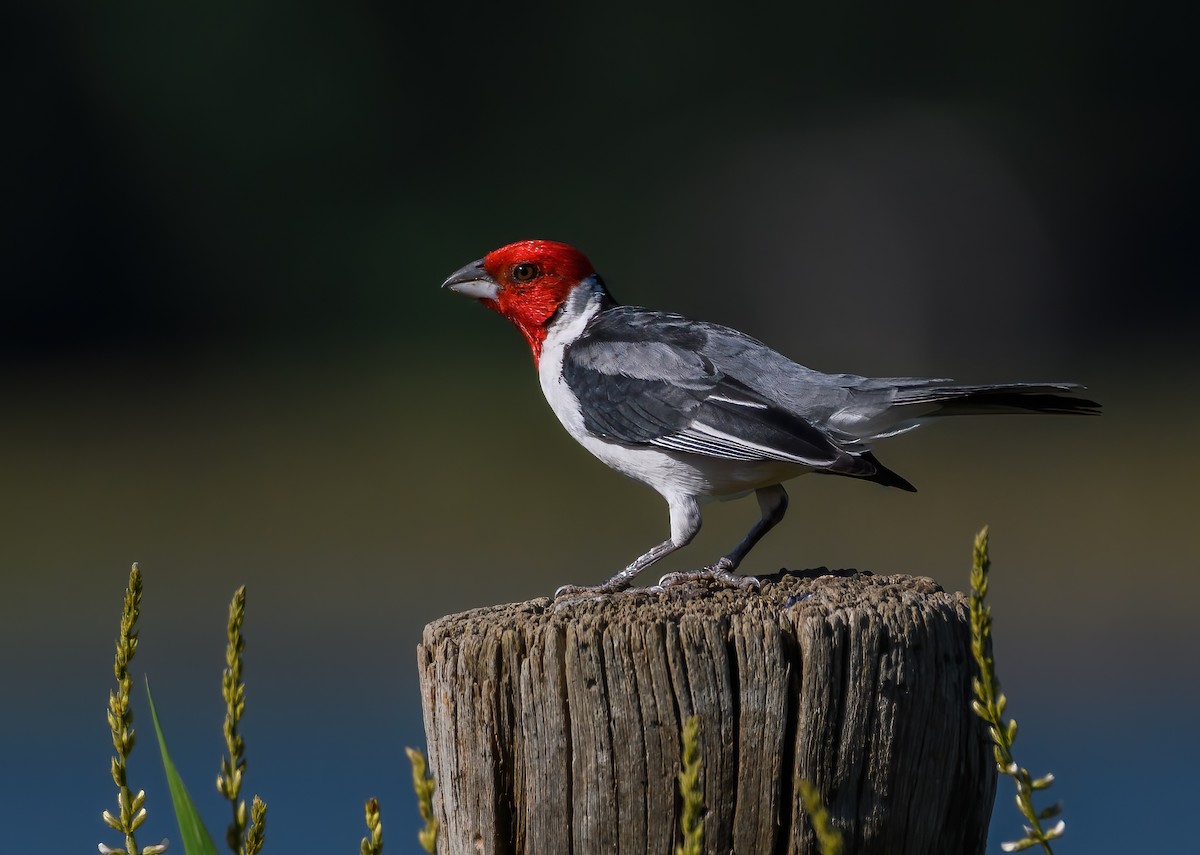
<point>581,306</point>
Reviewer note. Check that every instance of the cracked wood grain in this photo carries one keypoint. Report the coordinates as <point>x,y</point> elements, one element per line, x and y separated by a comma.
<point>556,729</point>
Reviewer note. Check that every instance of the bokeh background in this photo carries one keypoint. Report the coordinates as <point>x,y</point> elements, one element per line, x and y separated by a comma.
<point>224,354</point>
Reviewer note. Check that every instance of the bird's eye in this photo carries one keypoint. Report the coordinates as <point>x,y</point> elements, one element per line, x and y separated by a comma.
<point>524,272</point>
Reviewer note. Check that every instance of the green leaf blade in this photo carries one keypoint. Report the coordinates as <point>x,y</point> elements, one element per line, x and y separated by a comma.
<point>192,833</point>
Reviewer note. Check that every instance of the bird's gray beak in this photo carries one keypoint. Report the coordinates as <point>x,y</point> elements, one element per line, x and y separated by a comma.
<point>473,281</point>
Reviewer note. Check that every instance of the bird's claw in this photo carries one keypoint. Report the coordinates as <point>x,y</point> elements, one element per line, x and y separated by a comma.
<point>577,593</point>
<point>719,572</point>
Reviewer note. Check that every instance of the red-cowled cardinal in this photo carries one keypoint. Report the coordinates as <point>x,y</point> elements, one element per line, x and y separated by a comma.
<point>700,411</point>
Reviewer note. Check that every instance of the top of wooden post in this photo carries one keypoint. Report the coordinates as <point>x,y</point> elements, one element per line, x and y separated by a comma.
<point>818,592</point>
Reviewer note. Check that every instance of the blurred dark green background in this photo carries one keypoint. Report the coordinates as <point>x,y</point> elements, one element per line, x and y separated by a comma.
<point>223,353</point>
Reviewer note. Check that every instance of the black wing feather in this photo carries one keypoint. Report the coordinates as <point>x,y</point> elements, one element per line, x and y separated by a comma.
<point>649,383</point>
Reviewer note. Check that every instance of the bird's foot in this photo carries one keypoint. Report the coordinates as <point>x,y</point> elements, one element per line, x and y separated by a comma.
<point>721,572</point>
<point>576,593</point>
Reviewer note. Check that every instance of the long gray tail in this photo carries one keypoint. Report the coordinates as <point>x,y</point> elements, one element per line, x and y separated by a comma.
<point>997,398</point>
<point>913,400</point>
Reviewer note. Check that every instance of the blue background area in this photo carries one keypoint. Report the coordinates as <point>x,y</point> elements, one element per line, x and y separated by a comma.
<point>223,353</point>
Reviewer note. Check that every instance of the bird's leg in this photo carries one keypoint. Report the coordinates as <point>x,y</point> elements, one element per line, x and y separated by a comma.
<point>773,502</point>
<point>685,522</point>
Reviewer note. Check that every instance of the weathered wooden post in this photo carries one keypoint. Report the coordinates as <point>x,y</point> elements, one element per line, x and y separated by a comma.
<point>557,730</point>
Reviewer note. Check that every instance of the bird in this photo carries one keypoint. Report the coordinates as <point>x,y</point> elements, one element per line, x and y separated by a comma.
<point>701,412</point>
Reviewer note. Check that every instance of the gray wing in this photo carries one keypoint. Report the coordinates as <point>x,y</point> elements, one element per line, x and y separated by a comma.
<point>644,378</point>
